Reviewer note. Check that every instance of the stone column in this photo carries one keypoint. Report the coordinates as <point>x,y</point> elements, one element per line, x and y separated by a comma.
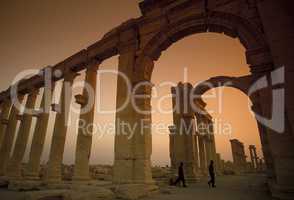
<point>186,145</point>
<point>218,163</point>
<point>7,143</point>
<point>212,140</point>
<point>205,128</point>
<point>142,135</point>
<point>60,129</point>
<point>223,166</point>
<point>84,140</point>
<point>39,135</point>
<point>123,147</point>
<point>235,153</point>
<point>265,141</point>
<point>15,162</point>
<point>243,156</point>
<point>278,27</point>
<point>208,150</point>
<point>203,162</point>
<point>133,148</point>
<point>6,106</point>
<point>172,130</point>
<point>255,157</point>
<point>202,137</point>
<point>239,156</point>
<point>190,146</point>
<point>260,165</point>
<point>253,163</point>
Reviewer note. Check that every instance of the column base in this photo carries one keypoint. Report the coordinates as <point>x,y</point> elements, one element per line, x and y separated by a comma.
<point>132,172</point>
<point>25,185</point>
<point>14,174</point>
<point>135,191</point>
<point>32,176</point>
<point>81,179</point>
<point>53,180</point>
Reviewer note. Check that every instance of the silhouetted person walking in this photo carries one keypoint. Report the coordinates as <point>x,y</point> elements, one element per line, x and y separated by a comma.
<point>181,177</point>
<point>211,174</point>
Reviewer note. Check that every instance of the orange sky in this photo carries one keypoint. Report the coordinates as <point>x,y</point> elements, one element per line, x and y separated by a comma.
<point>36,33</point>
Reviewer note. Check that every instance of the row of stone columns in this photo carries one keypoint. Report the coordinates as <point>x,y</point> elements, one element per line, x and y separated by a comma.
<point>39,135</point>
<point>14,164</point>
<point>239,157</point>
<point>192,140</point>
<point>256,162</point>
<point>207,146</point>
<point>5,109</point>
<point>10,167</point>
<point>184,137</point>
<point>8,138</point>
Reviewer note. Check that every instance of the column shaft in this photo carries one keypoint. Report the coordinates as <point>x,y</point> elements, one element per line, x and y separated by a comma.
<point>256,158</point>
<point>14,165</point>
<point>132,147</point>
<point>84,140</point>
<point>252,158</point>
<point>8,139</point>
<point>203,163</point>
<point>6,106</point>
<point>39,136</point>
<point>60,130</point>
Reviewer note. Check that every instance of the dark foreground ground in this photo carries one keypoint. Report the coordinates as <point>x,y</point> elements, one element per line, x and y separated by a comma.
<point>251,187</point>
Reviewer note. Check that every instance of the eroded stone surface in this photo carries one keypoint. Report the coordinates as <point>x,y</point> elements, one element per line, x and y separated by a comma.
<point>135,191</point>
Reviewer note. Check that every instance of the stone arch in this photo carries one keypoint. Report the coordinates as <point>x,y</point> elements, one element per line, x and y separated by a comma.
<point>218,22</point>
<point>241,83</point>
<point>257,53</point>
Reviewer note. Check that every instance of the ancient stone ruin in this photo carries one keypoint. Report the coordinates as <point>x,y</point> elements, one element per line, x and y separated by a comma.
<point>265,29</point>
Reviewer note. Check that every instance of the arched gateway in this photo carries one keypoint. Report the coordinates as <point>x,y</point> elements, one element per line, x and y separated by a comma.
<point>267,37</point>
<point>245,84</point>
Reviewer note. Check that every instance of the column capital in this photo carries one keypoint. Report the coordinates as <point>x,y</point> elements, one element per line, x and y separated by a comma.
<point>32,91</point>
<point>93,65</point>
<point>70,75</point>
<point>20,97</point>
<point>36,113</point>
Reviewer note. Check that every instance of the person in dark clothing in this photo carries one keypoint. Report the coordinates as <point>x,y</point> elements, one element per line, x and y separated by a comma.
<point>211,183</point>
<point>181,177</point>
